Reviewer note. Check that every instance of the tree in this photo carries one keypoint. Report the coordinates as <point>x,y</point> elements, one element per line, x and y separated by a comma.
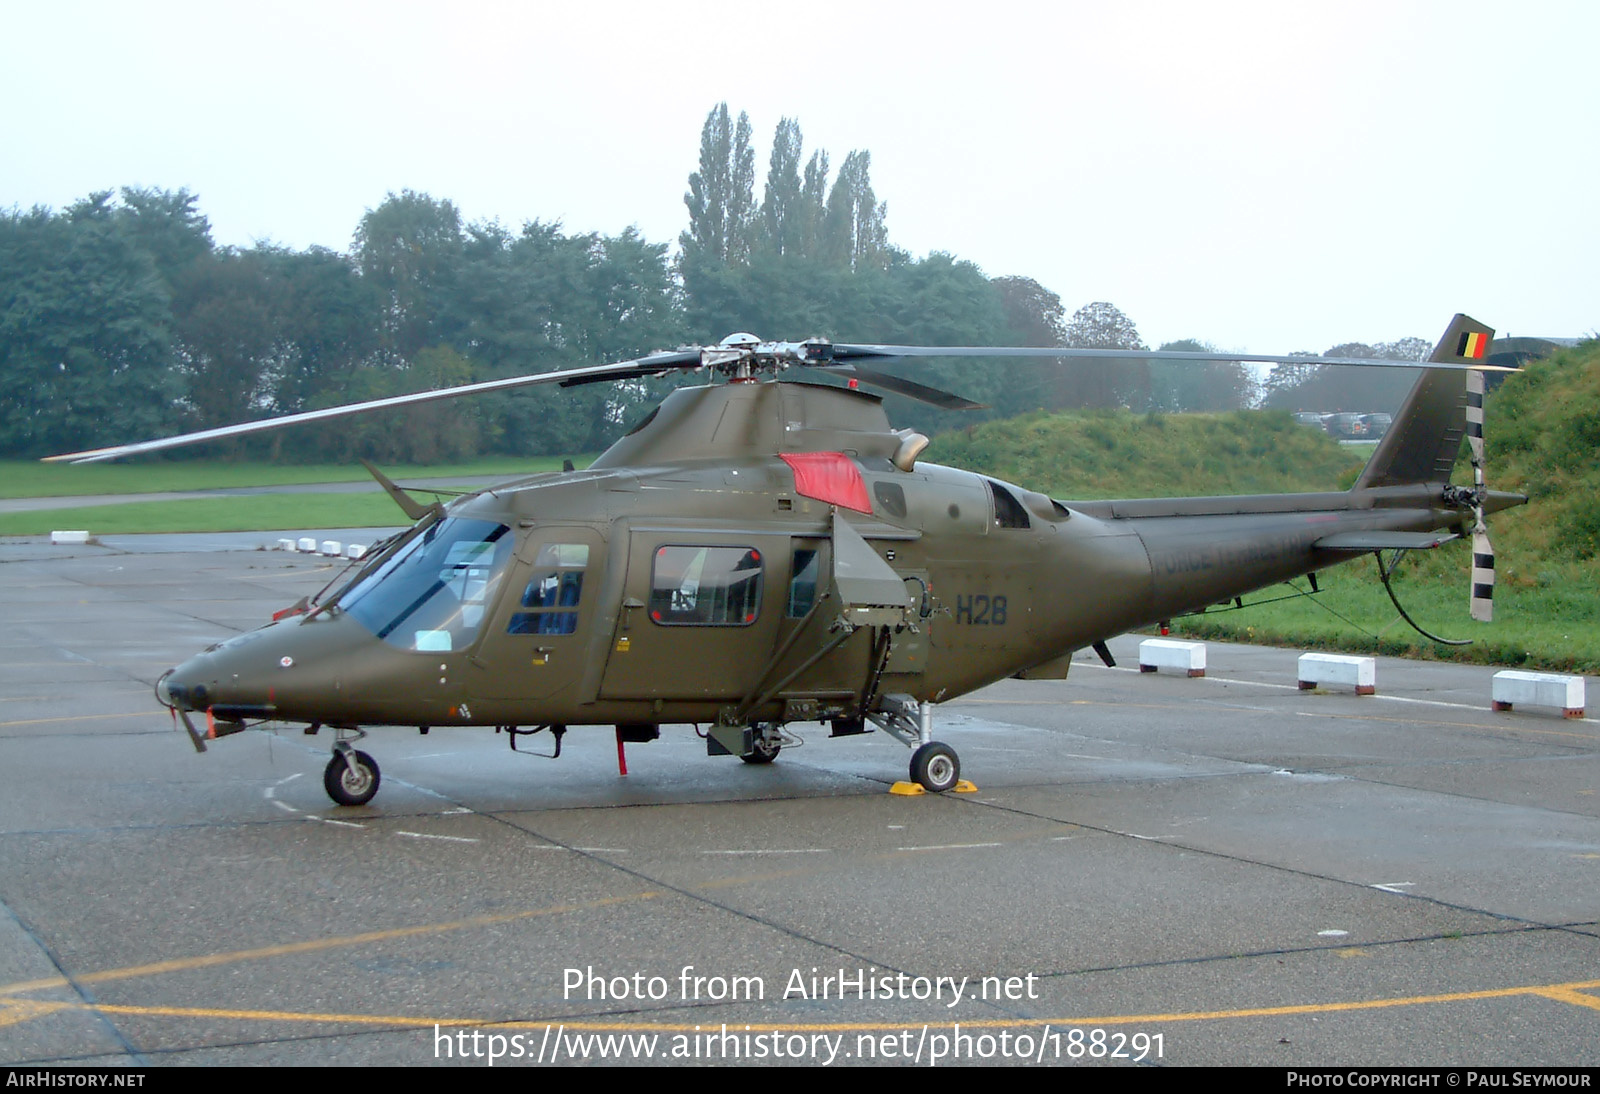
<point>1109,382</point>
<point>328,324</point>
<point>1329,388</point>
<point>165,225</point>
<point>782,215</point>
<point>1034,317</point>
<point>814,203</point>
<point>409,248</point>
<point>84,331</point>
<point>854,234</point>
<point>226,339</point>
<point>721,197</point>
<point>1199,385</point>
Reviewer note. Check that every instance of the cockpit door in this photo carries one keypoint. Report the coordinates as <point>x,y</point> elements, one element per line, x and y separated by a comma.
<point>542,630</point>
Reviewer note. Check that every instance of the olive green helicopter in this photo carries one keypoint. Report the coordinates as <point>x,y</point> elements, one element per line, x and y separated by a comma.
<point>760,552</point>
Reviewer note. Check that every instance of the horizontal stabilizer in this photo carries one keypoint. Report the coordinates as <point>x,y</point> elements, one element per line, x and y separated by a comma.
<point>1384,541</point>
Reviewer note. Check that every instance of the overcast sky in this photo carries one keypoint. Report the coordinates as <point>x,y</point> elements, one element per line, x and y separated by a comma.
<point>1268,177</point>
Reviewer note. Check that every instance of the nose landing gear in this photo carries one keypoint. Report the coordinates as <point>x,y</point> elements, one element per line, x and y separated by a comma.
<point>351,777</point>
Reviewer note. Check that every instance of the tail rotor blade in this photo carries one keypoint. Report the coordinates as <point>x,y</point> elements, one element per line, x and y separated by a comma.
<point>1482,597</point>
<point>1482,574</point>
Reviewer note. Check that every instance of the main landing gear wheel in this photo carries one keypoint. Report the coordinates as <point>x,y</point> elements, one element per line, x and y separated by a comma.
<point>936,767</point>
<point>353,781</point>
<point>763,751</point>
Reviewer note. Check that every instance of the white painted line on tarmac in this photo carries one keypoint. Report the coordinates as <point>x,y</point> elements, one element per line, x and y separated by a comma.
<point>426,835</point>
<point>776,851</point>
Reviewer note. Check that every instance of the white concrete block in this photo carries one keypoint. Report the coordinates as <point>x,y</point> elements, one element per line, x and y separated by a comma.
<point>1167,653</point>
<point>332,547</point>
<point>286,545</point>
<point>308,544</point>
<point>1540,689</point>
<point>1338,668</point>
<point>356,550</point>
<point>79,536</point>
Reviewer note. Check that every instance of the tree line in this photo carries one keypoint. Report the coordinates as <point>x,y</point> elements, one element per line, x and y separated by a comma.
<point>121,319</point>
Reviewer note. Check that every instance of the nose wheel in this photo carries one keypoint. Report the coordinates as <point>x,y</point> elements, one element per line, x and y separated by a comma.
<point>351,777</point>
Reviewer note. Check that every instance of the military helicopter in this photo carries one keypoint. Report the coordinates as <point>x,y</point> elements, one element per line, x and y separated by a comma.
<point>759,552</point>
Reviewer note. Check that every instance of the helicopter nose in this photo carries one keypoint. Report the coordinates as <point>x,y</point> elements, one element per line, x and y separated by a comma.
<point>179,692</point>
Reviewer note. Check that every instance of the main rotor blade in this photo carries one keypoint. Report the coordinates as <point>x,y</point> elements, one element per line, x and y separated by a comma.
<point>644,366</point>
<point>944,400</point>
<point>845,352</point>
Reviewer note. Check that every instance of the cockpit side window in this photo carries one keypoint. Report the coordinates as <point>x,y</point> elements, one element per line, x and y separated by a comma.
<point>552,595</point>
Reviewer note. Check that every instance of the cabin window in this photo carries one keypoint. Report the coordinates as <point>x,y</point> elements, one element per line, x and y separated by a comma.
<point>891,498</point>
<point>552,595</point>
<point>433,593</point>
<point>803,585</point>
<point>705,586</point>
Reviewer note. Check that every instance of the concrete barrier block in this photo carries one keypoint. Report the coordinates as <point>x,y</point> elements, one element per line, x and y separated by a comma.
<point>1167,653</point>
<point>80,536</point>
<point>308,544</point>
<point>1338,668</point>
<point>286,545</point>
<point>332,547</point>
<point>356,550</point>
<point>1541,689</point>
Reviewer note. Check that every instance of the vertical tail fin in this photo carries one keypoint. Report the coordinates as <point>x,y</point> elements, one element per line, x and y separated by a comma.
<point>1422,442</point>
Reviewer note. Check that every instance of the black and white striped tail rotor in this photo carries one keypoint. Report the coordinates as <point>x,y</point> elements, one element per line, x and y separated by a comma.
<point>1482,604</point>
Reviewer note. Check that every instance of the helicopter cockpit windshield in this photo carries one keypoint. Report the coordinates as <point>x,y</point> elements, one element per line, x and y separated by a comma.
<point>432,595</point>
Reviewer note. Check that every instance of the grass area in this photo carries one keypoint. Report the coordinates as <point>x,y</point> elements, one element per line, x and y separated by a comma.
<point>1554,626</point>
<point>1117,454</point>
<point>33,479</point>
<point>259,513</point>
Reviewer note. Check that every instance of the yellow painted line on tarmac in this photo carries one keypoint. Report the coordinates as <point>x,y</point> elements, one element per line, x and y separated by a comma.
<point>76,718</point>
<point>185,964</point>
<point>1567,993</point>
<point>1564,993</point>
<point>15,1011</point>
<point>49,664</point>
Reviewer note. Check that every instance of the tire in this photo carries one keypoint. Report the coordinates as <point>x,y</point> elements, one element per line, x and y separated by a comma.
<point>347,787</point>
<point>936,767</point>
<point>762,752</point>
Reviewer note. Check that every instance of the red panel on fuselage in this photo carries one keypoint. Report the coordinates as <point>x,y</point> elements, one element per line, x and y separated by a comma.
<point>830,477</point>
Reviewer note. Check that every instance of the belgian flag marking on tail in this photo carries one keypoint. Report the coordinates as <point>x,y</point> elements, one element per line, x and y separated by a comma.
<point>1474,344</point>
